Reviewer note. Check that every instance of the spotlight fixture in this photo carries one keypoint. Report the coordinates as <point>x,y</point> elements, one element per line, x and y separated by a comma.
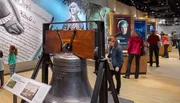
<point>177,4</point>
<point>162,3</point>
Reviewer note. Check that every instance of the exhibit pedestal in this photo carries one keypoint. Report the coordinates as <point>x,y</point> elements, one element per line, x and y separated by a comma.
<point>143,65</point>
<point>161,50</point>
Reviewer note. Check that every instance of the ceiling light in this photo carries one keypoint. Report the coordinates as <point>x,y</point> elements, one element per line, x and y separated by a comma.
<point>177,4</point>
<point>178,7</point>
<point>162,3</point>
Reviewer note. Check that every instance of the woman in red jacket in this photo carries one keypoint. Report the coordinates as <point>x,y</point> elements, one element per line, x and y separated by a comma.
<point>135,45</point>
<point>165,42</point>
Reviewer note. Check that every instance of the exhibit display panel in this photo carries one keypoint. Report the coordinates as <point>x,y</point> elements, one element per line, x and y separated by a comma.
<point>121,28</point>
<point>21,25</point>
<point>150,26</point>
<point>140,28</point>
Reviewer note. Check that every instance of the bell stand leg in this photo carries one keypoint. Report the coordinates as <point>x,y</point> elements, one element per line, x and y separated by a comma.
<point>100,75</point>
<point>36,70</point>
<point>100,88</point>
<point>14,98</point>
<point>103,96</point>
<point>111,84</point>
<point>45,65</point>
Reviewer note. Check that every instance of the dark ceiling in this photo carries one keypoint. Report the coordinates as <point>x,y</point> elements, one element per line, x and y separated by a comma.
<point>157,8</point>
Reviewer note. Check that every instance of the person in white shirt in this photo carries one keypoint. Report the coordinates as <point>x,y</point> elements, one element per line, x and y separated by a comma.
<point>1,69</point>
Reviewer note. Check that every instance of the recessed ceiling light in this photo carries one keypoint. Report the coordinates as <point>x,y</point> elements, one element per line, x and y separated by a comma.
<point>178,7</point>
<point>162,3</point>
<point>177,4</point>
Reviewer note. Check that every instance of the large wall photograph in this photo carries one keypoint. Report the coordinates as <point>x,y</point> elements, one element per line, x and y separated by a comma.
<point>140,28</point>
<point>66,11</point>
<point>21,25</point>
<point>99,13</point>
<point>122,28</point>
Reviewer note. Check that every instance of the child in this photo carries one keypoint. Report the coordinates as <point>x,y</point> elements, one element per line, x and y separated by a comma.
<point>1,69</point>
<point>179,48</point>
<point>12,59</point>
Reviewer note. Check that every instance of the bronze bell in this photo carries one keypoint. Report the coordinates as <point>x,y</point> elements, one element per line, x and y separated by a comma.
<point>69,81</point>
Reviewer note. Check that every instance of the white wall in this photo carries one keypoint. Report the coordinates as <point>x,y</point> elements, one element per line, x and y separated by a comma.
<point>169,29</point>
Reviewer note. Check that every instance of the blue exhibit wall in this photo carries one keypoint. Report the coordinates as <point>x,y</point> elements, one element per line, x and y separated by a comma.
<point>59,10</point>
<point>140,28</point>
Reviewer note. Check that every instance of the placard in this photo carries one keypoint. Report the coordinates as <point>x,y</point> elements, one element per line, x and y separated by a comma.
<point>27,89</point>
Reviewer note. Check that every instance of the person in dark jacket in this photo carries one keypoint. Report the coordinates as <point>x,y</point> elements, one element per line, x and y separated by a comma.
<point>153,41</point>
<point>116,58</point>
<point>135,46</point>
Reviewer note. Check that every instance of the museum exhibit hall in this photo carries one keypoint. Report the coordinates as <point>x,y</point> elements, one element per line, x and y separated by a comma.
<point>89,51</point>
